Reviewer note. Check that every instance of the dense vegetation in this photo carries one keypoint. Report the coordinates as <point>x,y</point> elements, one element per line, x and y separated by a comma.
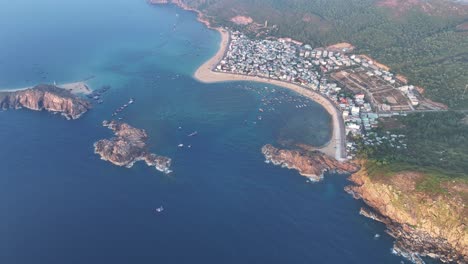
<point>437,144</point>
<point>425,46</point>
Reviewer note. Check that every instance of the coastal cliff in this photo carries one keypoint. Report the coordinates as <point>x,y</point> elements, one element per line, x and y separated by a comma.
<point>423,223</point>
<point>311,164</point>
<point>129,146</point>
<point>46,97</point>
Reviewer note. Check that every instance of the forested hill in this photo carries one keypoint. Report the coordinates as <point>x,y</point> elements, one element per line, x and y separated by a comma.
<point>426,40</point>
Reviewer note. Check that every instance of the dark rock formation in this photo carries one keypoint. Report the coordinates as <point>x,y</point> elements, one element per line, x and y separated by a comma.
<point>46,97</point>
<point>129,146</point>
<point>423,224</point>
<point>310,164</point>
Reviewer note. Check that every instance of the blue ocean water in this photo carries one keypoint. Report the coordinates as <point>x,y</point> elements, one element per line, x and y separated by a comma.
<point>59,203</point>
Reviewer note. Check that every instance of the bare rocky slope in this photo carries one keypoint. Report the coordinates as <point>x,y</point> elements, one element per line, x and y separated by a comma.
<point>311,164</point>
<point>424,224</point>
<point>46,97</point>
<point>129,146</point>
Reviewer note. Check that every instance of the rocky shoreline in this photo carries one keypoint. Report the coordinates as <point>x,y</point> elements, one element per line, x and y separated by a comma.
<point>423,225</point>
<point>311,164</point>
<point>46,97</point>
<point>432,237</point>
<point>129,146</point>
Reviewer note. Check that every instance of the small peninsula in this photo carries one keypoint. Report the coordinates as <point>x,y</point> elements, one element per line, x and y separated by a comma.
<point>129,146</point>
<point>46,97</point>
<point>311,164</point>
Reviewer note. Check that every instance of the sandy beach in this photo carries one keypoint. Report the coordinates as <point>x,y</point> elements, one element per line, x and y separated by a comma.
<point>335,147</point>
<point>74,87</point>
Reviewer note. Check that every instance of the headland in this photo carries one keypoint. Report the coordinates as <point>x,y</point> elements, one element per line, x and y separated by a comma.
<point>423,223</point>
<point>311,164</point>
<point>45,97</point>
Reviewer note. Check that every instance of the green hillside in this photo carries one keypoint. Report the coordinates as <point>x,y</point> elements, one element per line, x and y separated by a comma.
<point>427,41</point>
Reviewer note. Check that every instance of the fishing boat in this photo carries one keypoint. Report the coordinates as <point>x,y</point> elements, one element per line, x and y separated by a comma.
<point>193,134</point>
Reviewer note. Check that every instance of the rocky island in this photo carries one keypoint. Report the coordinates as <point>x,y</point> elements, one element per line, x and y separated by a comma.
<point>423,224</point>
<point>129,146</point>
<point>46,97</point>
<point>311,164</point>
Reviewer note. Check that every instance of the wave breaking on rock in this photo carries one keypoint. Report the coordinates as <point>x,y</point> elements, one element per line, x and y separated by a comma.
<point>312,164</point>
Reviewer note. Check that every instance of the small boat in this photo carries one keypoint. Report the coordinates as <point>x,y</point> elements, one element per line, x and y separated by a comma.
<point>193,134</point>
<point>159,209</point>
<point>180,145</point>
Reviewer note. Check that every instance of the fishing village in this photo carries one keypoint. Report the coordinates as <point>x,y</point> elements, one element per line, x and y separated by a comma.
<point>361,89</point>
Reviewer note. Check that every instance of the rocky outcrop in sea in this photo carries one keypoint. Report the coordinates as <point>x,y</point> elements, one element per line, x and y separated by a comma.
<point>423,224</point>
<point>312,164</point>
<point>46,97</point>
<point>129,146</point>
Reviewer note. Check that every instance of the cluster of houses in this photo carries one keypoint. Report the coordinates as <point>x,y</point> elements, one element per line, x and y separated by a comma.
<point>358,117</point>
<point>327,60</point>
<point>291,61</point>
<point>373,69</point>
<point>273,59</point>
<point>408,90</point>
<point>392,141</point>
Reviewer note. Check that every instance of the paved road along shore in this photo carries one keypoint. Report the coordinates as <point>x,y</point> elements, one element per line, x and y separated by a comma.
<point>205,73</point>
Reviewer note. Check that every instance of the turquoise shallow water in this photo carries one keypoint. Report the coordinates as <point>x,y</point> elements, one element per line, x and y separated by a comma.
<point>59,203</point>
